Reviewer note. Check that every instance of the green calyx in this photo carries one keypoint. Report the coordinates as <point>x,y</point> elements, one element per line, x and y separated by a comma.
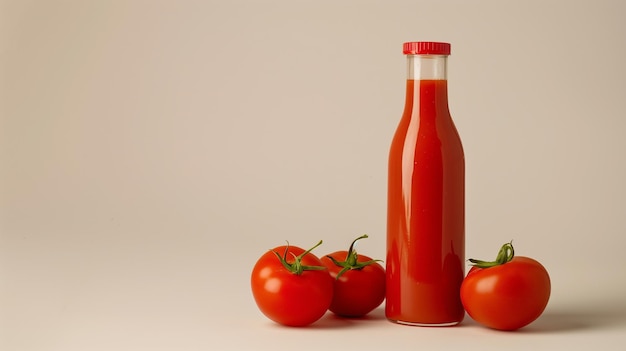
<point>297,267</point>
<point>351,261</point>
<point>505,254</point>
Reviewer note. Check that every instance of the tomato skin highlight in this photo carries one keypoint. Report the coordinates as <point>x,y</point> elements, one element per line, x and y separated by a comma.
<point>508,296</point>
<point>287,298</point>
<point>357,292</point>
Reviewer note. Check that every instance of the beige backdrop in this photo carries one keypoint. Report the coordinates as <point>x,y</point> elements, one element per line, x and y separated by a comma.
<point>150,151</point>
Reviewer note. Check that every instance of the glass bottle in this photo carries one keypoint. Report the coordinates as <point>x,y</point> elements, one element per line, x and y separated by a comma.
<point>426,199</point>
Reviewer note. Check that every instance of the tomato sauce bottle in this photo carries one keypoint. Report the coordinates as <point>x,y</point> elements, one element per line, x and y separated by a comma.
<point>426,199</point>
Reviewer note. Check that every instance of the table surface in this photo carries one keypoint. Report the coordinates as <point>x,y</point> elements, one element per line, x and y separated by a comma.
<point>161,305</point>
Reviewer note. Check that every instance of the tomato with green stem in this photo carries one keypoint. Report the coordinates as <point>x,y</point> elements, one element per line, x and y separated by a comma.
<point>291,286</point>
<point>359,282</point>
<point>508,293</point>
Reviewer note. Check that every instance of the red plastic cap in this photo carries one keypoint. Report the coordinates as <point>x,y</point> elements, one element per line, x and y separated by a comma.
<point>426,48</point>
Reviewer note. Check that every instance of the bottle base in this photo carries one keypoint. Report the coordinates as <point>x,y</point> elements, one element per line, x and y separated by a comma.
<point>414,324</point>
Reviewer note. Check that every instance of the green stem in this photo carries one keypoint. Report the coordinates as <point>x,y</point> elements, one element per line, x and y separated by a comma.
<point>352,259</point>
<point>297,267</point>
<point>505,255</point>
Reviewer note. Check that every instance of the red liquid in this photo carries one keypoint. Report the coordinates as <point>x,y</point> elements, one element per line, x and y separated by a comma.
<point>426,213</point>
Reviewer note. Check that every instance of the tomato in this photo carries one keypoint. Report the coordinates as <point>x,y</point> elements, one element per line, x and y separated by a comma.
<point>359,282</point>
<point>291,286</point>
<point>506,294</point>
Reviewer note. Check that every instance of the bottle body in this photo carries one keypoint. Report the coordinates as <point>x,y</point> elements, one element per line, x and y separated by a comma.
<point>426,207</point>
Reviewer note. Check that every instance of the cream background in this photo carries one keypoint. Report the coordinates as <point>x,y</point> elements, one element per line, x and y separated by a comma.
<point>151,151</point>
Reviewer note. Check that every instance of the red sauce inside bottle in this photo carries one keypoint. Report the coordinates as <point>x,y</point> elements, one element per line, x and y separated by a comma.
<point>426,215</point>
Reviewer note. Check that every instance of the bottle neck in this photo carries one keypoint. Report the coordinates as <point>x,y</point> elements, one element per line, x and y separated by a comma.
<point>427,67</point>
<point>427,87</point>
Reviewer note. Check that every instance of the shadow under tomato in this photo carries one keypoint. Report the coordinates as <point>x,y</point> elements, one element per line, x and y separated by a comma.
<point>331,320</point>
<point>328,321</point>
<point>572,319</point>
